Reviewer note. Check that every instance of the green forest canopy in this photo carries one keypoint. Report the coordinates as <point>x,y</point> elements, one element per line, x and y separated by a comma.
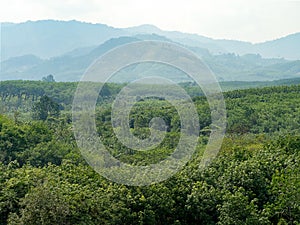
<point>254,180</point>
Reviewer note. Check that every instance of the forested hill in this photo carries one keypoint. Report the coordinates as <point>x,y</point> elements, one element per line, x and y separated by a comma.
<point>72,65</point>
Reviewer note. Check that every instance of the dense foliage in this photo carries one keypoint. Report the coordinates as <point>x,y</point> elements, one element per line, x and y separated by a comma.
<point>254,180</point>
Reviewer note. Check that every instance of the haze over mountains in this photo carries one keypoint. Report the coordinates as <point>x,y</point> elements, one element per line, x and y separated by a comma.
<point>65,49</point>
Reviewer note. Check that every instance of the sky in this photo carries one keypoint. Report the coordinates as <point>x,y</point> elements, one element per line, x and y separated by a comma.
<point>247,20</point>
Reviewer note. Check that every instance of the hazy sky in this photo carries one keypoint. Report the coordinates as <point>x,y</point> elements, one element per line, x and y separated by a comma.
<point>248,20</point>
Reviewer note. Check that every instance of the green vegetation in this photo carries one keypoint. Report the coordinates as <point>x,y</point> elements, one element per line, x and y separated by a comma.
<point>21,95</point>
<point>45,180</point>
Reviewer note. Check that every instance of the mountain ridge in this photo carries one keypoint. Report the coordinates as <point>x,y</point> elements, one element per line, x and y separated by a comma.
<point>51,38</point>
<point>68,49</point>
<point>227,67</point>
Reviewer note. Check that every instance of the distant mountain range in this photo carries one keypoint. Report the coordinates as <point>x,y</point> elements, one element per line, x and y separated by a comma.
<point>65,49</point>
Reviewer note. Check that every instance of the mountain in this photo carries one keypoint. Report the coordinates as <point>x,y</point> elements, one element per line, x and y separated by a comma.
<point>32,50</point>
<point>179,37</point>
<point>21,63</point>
<point>71,66</point>
<point>286,47</point>
<point>67,67</point>
<point>49,38</point>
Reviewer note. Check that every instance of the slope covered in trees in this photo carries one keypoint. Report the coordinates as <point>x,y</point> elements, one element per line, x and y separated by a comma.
<point>254,180</point>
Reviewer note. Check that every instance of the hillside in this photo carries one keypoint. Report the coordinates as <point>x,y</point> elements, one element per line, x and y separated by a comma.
<point>49,38</point>
<point>32,50</point>
<point>71,66</point>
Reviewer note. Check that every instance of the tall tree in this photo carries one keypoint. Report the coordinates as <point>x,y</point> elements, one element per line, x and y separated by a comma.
<point>45,108</point>
<point>48,78</point>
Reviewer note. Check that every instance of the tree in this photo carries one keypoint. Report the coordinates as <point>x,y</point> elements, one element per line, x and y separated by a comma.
<point>49,78</point>
<point>45,108</point>
<point>45,204</point>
